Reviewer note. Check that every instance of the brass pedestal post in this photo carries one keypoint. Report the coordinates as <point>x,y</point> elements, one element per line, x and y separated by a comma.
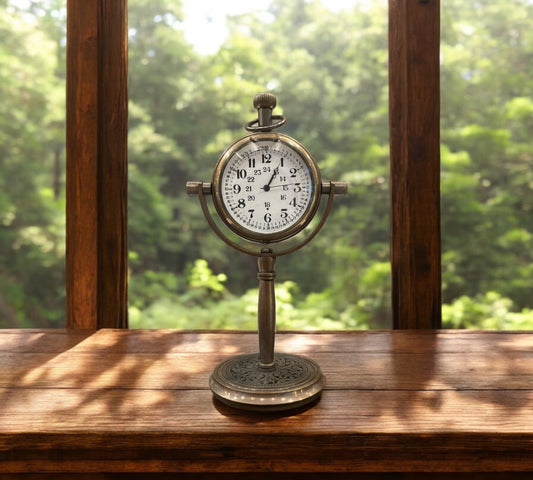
<point>267,381</point>
<point>266,310</point>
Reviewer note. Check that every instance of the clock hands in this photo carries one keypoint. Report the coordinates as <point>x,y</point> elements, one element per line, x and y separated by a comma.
<point>267,187</point>
<point>283,185</point>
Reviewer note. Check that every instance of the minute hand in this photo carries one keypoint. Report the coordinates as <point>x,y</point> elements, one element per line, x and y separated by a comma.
<point>288,185</point>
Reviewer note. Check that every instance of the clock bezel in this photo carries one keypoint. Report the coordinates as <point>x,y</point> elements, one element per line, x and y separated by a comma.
<point>232,223</point>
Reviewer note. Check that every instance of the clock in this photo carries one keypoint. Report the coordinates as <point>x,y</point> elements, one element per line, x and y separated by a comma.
<point>266,187</point>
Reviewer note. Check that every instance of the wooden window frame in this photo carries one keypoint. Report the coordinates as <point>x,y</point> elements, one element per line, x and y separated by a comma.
<point>97,98</point>
<point>97,122</point>
<point>414,123</point>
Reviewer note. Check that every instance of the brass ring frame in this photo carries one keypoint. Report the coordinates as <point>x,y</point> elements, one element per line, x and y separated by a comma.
<point>329,188</point>
<point>226,216</point>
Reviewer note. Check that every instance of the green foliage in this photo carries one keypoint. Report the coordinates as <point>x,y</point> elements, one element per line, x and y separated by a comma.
<point>488,311</point>
<point>328,70</point>
<point>201,302</point>
<point>31,185</point>
<point>204,302</point>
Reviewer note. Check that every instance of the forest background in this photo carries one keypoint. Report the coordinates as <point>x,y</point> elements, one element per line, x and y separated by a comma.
<point>328,69</point>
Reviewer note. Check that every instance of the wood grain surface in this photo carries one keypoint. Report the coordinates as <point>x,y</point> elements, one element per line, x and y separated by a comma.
<point>97,111</point>
<point>414,119</point>
<point>138,401</point>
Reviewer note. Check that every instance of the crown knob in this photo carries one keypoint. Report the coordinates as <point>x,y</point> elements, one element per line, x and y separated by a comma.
<point>265,100</point>
<point>264,103</point>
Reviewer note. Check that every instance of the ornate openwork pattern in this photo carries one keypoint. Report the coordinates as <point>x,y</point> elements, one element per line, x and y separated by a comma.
<point>288,371</point>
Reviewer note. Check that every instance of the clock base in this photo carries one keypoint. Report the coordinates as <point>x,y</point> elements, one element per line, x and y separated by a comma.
<point>292,382</point>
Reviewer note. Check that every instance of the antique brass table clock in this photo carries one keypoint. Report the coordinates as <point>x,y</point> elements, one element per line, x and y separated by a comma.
<point>266,189</point>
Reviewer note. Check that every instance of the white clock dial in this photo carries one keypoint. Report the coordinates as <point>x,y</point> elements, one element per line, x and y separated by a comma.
<point>267,186</point>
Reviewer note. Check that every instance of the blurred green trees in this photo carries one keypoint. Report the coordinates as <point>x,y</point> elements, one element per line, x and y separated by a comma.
<point>329,72</point>
<point>31,161</point>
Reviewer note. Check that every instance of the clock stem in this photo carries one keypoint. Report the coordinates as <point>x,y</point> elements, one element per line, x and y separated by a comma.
<point>266,310</point>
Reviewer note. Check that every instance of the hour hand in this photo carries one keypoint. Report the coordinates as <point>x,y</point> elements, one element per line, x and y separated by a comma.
<point>266,188</point>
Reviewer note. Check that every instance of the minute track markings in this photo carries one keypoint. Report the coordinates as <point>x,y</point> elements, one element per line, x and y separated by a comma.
<point>266,186</point>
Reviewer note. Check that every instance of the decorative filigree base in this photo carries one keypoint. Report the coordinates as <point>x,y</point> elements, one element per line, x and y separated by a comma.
<point>293,381</point>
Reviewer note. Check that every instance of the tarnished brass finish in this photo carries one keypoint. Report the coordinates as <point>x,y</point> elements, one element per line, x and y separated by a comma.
<point>227,217</point>
<point>264,103</point>
<point>266,312</point>
<point>191,188</point>
<point>330,188</point>
<point>292,382</point>
<point>335,188</point>
<point>267,380</point>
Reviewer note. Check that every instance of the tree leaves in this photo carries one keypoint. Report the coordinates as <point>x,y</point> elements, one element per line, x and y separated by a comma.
<point>329,72</point>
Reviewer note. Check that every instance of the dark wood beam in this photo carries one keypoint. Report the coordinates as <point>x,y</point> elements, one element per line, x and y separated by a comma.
<point>96,259</point>
<point>414,39</point>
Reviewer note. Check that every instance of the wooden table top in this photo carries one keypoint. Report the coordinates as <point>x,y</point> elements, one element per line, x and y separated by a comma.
<point>139,401</point>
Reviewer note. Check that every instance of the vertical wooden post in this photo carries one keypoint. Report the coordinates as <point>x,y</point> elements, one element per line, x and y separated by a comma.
<point>414,40</point>
<point>96,259</point>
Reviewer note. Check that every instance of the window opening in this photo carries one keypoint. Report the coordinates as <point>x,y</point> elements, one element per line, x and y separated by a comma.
<point>487,155</point>
<point>32,173</point>
<point>194,69</point>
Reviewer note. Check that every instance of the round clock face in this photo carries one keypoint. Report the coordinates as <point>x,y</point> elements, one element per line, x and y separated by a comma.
<point>266,187</point>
